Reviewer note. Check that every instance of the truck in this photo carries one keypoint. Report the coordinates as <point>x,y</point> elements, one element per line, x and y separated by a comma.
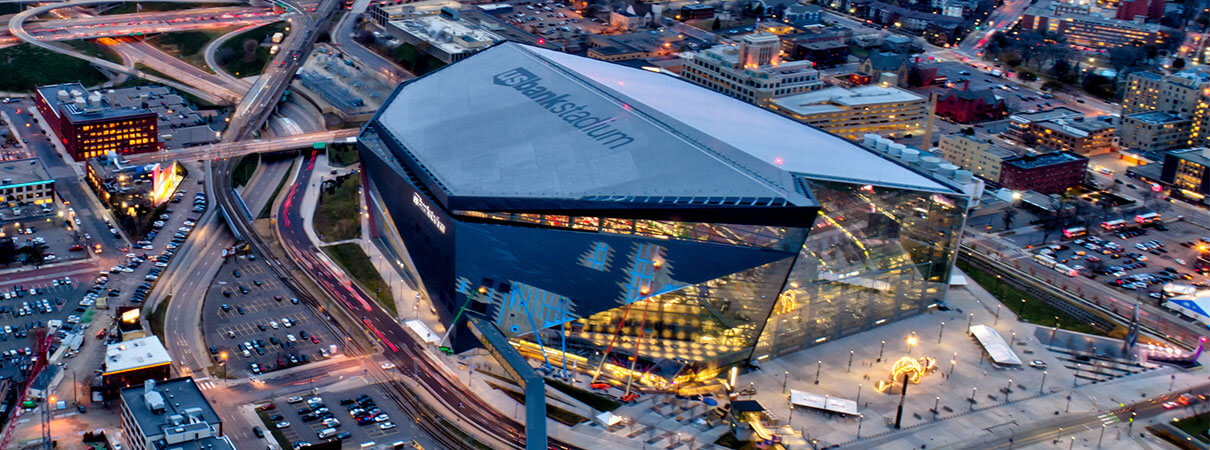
<point>277,37</point>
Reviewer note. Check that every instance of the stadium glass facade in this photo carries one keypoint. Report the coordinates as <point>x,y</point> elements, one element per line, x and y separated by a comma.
<point>691,284</point>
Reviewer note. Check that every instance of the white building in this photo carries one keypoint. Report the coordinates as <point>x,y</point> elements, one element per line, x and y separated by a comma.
<point>446,39</point>
<point>751,71</point>
<point>852,113</point>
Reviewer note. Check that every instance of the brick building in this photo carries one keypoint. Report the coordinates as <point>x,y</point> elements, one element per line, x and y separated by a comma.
<point>1048,173</point>
<point>967,106</point>
<point>90,124</point>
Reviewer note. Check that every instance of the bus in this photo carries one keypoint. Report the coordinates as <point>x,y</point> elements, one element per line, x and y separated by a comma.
<point>1073,233</point>
<point>1148,218</point>
<point>1111,225</point>
<point>1045,260</point>
<point>1065,270</point>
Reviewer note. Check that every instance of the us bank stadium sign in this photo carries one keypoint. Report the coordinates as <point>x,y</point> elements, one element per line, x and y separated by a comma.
<point>428,212</point>
<point>578,115</point>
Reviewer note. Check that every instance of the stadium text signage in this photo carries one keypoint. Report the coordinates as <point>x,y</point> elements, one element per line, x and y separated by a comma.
<point>428,212</point>
<point>577,115</point>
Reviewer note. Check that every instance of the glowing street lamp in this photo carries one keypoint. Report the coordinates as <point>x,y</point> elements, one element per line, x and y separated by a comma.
<point>911,340</point>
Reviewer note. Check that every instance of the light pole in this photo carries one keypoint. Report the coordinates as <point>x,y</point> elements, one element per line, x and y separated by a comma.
<point>1043,385</point>
<point>850,370</point>
<point>223,363</point>
<point>968,322</point>
<point>997,321</point>
<point>784,379</point>
<point>911,340</point>
<point>972,398</point>
<point>1050,344</point>
<point>1068,408</point>
<point>860,417</point>
<point>953,362</point>
<point>937,406</point>
<point>1172,383</point>
<point>1008,390</point>
<point>858,395</point>
<point>1013,340</point>
<point>880,348</point>
<point>818,366</point>
<point>940,332</point>
<point>1102,436</point>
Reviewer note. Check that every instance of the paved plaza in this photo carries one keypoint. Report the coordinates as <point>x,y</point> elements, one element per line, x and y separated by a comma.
<point>965,397</point>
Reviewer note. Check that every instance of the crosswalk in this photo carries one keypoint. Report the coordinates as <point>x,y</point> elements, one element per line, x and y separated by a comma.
<point>1108,418</point>
<point>205,383</point>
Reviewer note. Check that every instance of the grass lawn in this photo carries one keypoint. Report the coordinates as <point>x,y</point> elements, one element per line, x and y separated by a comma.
<point>189,46</point>
<point>598,402</point>
<point>356,263</point>
<point>337,216</point>
<point>1028,308</point>
<point>156,319</point>
<point>241,66</point>
<point>1196,426</point>
<point>27,66</point>
<point>244,169</point>
<point>342,154</point>
<point>9,8</point>
<point>93,49</point>
<point>264,212</point>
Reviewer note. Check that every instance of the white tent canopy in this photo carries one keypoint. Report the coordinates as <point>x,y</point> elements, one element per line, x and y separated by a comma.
<point>824,402</point>
<point>608,419</point>
<point>995,346</point>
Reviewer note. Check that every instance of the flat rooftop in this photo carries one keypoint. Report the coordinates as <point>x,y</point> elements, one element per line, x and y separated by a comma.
<point>1157,117</point>
<point>451,36</point>
<point>135,354</point>
<point>1075,128</point>
<point>536,123</point>
<point>64,99</point>
<point>1042,160</point>
<point>839,98</point>
<point>20,172</point>
<point>1055,113</point>
<point>181,398</point>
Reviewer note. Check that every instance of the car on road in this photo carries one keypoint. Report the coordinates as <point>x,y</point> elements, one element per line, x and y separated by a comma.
<point>1170,405</point>
<point>388,425</point>
<point>387,366</point>
<point>294,399</point>
<point>1037,364</point>
<point>258,432</point>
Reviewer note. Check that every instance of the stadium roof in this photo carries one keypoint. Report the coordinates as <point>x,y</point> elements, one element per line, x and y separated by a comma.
<point>521,121</point>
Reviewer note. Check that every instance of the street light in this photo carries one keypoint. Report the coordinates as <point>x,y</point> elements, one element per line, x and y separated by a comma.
<point>880,348</point>
<point>818,366</point>
<point>940,332</point>
<point>911,340</point>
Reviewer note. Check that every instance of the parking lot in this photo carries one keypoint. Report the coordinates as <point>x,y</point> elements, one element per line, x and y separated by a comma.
<point>1136,265</point>
<point>58,237</point>
<point>252,316</point>
<point>553,21</point>
<point>22,316</point>
<point>307,415</point>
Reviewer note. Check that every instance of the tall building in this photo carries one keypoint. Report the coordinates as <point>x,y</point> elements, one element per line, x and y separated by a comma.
<point>1185,93</point>
<point>977,154</point>
<point>1187,172</point>
<point>591,195</point>
<point>25,182</point>
<point>1083,28</point>
<point>89,124</point>
<point>171,414</point>
<point>1152,10</point>
<point>1047,173</point>
<point>1085,137</point>
<point>751,71</point>
<point>1155,131</point>
<point>852,113</point>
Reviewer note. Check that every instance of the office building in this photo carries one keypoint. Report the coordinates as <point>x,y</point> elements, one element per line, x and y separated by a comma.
<point>1047,173</point>
<point>751,71</point>
<point>825,55</point>
<point>25,182</point>
<point>444,37</point>
<point>977,154</point>
<point>640,45</point>
<point>591,194</point>
<point>170,414</point>
<point>799,14</point>
<point>89,124</point>
<point>119,184</point>
<point>1155,131</point>
<point>1085,137</point>
<point>131,362</point>
<point>1082,28</point>
<point>852,113</point>
<point>1187,172</point>
<point>1178,92</point>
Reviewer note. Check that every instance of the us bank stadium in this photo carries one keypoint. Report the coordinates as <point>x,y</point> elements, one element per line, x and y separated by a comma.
<point>592,211</point>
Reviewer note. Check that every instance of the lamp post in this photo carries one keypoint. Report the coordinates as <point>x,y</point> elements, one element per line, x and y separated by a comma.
<point>860,417</point>
<point>953,362</point>
<point>968,322</point>
<point>1013,340</point>
<point>851,362</point>
<point>1102,436</point>
<point>223,363</point>
<point>880,348</point>
<point>1043,385</point>
<point>818,366</point>
<point>997,321</point>
<point>858,395</point>
<point>1068,408</point>
<point>1050,344</point>
<point>940,332</point>
<point>1008,389</point>
<point>784,379</point>
<point>972,397</point>
<point>937,406</point>
<point>911,340</point>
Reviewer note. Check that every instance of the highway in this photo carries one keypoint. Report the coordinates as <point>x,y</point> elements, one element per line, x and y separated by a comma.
<point>92,27</point>
<point>342,38</point>
<point>137,50</point>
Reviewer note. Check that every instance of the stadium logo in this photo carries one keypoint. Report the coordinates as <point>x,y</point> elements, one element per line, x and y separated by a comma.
<point>577,115</point>
<point>428,212</point>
